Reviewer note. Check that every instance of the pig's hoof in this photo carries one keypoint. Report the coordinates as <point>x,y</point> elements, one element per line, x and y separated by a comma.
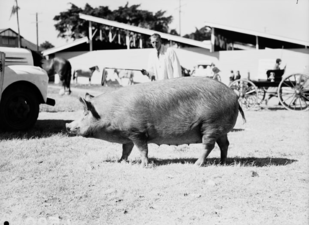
<point>144,164</point>
<point>199,163</point>
<point>122,161</point>
<point>223,163</point>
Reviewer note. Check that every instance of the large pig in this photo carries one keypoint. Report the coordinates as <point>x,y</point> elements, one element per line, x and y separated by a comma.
<point>174,112</point>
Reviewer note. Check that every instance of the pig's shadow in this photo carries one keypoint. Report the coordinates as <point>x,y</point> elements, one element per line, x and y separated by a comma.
<point>249,161</point>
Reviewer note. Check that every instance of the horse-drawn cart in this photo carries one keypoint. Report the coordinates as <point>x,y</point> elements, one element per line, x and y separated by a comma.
<point>292,90</point>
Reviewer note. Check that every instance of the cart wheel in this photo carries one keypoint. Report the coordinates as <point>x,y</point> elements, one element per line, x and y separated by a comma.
<point>248,93</point>
<point>293,92</point>
<point>261,95</point>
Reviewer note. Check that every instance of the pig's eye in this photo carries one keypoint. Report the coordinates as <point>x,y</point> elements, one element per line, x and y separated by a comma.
<point>86,113</point>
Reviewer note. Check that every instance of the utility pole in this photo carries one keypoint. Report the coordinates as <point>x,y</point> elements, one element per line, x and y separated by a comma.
<point>17,8</point>
<point>179,10</point>
<point>180,18</point>
<point>37,32</point>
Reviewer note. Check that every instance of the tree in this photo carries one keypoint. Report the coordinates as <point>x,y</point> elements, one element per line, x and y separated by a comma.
<point>14,11</point>
<point>174,32</point>
<point>200,34</point>
<point>46,45</point>
<point>69,25</point>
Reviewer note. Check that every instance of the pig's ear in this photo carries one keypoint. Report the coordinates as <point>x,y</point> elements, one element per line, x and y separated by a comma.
<point>89,107</point>
<point>88,97</point>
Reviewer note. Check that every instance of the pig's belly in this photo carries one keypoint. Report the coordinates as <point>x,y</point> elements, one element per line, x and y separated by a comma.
<point>189,137</point>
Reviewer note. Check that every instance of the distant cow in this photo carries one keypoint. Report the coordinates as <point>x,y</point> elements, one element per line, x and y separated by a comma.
<point>122,77</point>
<point>176,111</point>
<point>85,72</point>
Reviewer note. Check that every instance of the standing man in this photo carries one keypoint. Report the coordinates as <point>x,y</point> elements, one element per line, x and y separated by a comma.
<point>163,62</point>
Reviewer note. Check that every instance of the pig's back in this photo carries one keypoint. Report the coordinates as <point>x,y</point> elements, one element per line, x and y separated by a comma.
<point>163,103</point>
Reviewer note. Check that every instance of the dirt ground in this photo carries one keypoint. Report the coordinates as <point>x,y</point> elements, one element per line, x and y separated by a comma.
<point>52,178</point>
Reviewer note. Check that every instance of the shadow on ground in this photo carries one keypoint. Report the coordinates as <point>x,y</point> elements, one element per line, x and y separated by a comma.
<point>250,162</point>
<point>42,129</point>
<point>273,108</point>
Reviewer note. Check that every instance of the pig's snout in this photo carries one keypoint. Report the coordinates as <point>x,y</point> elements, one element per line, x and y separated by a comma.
<point>70,129</point>
<point>67,127</point>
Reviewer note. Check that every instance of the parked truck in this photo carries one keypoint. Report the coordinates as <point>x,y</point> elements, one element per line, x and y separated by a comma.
<point>23,87</point>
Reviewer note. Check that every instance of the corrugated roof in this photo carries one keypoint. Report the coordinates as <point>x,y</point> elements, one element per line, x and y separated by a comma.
<point>141,30</point>
<point>259,34</point>
<point>286,20</point>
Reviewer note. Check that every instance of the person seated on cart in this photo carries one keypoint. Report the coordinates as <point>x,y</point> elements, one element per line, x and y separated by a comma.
<point>274,75</point>
<point>232,76</point>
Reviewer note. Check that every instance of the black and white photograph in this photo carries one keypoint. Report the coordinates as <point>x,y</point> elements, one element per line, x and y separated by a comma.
<point>142,112</point>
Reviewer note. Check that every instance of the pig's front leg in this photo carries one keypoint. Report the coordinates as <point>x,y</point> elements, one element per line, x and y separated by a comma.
<point>126,151</point>
<point>140,141</point>
<point>143,148</point>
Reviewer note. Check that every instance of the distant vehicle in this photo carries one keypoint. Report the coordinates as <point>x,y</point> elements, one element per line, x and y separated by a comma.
<point>23,87</point>
<point>206,68</point>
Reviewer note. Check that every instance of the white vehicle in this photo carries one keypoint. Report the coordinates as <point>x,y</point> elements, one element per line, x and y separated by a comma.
<point>23,87</point>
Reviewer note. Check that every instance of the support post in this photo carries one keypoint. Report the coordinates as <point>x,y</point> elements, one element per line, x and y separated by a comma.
<point>90,36</point>
<point>2,68</point>
<point>257,43</point>
<point>140,42</point>
<point>128,39</point>
<point>212,40</point>
<point>101,36</point>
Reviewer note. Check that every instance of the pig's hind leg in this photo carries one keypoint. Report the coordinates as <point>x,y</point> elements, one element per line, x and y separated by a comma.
<point>143,148</point>
<point>209,143</point>
<point>223,143</point>
<point>140,141</point>
<point>126,151</point>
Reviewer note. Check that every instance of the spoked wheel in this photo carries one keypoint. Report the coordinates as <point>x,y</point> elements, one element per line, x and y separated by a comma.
<point>249,95</point>
<point>293,92</point>
<point>261,95</point>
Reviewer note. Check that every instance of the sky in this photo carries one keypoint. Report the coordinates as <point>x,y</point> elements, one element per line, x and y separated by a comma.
<point>279,17</point>
<point>47,9</point>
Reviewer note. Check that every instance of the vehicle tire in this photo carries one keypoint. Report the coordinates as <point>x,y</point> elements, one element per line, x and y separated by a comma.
<point>19,108</point>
